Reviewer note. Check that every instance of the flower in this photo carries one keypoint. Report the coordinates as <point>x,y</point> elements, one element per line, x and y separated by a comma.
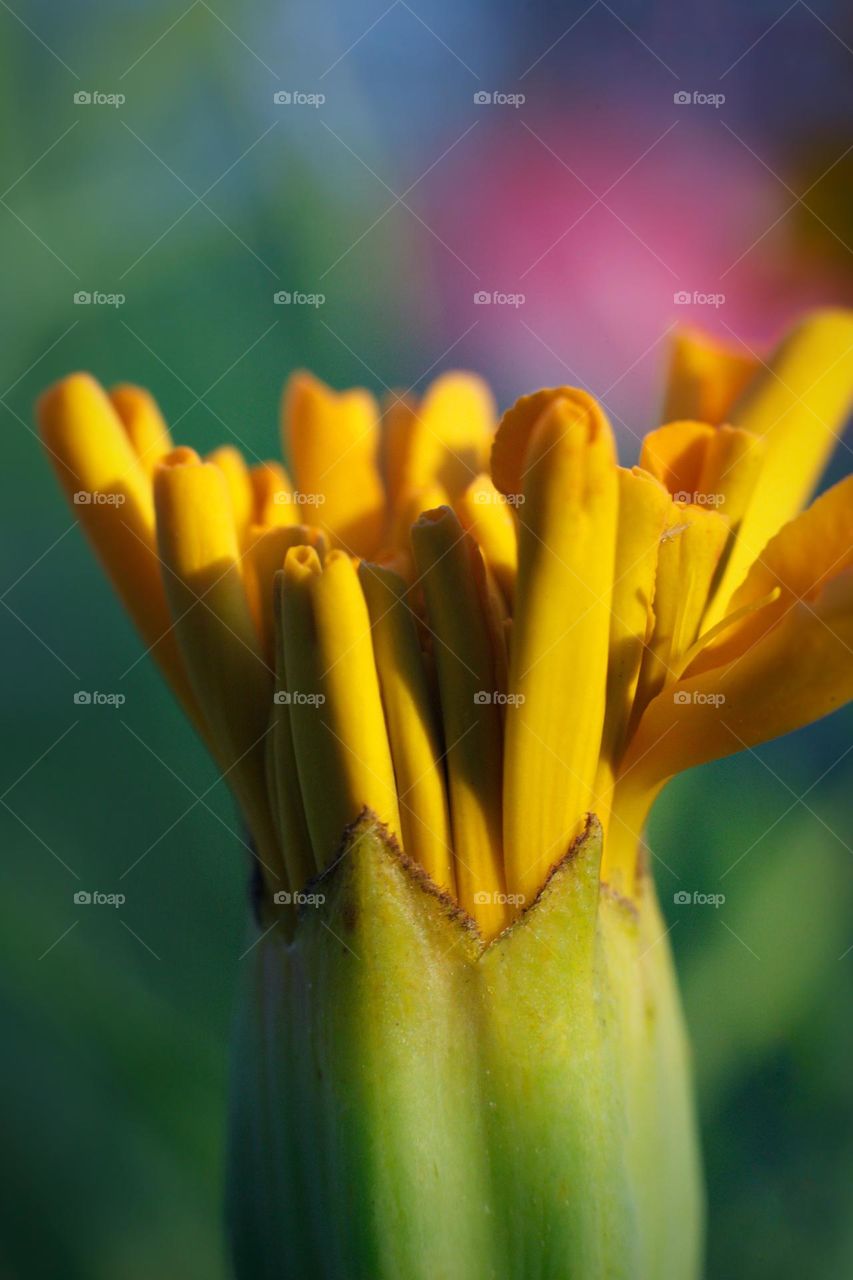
<point>446,669</point>
<point>483,653</point>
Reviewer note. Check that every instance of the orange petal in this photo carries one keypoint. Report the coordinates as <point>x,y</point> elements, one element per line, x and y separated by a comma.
<point>675,455</point>
<point>705,377</point>
<point>274,500</point>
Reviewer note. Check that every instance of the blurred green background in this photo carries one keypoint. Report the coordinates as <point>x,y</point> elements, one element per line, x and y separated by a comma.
<point>198,198</point>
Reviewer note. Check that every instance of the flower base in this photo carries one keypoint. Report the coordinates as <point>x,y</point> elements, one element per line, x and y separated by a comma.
<point>409,1102</point>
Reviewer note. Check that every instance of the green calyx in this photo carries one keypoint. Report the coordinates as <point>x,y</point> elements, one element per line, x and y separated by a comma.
<point>410,1102</point>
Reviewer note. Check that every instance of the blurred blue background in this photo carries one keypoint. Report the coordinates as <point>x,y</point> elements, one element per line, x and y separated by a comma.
<point>399,197</point>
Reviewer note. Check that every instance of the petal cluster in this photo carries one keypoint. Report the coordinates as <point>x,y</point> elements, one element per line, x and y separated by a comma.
<point>483,631</point>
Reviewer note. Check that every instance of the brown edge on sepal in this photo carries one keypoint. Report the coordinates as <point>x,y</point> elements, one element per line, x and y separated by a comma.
<point>368,822</point>
<point>592,824</point>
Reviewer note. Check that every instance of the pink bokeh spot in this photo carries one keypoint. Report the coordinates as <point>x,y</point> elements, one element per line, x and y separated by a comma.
<point>694,215</point>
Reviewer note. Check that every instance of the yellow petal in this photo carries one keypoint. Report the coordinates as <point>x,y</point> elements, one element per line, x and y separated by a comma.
<point>796,564</point>
<point>705,377</point>
<point>144,423</point>
<point>798,404</point>
<point>675,455</point>
<point>111,496</point>
<point>516,427</point>
<point>446,439</point>
<point>399,418</point>
<point>197,542</point>
<point>411,506</point>
<point>331,440</point>
<point>282,771</point>
<point>730,471</point>
<point>799,671</point>
<point>715,467</point>
<point>499,623</point>
<point>413,725</point>
<point>487,514</point>
<point>558,660</point>
<point>339,733</point>
<point>263,555</point>
<point>692,659</point>
<point>231,463</point>
<point>688,557</point>
<point>644,508</point>
<point>273,497</point>
<point>317,756</point>
<point>450,569</point>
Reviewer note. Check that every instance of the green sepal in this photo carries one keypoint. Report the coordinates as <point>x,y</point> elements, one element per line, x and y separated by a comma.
<point>411,1102</point>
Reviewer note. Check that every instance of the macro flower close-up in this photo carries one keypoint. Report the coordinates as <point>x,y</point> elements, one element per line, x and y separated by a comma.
<point>427,616</point>
<point>446,667</point>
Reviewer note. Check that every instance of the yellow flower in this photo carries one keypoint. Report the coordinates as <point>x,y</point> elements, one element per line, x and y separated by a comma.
<point>446,665</point>
<point>483,659</point>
